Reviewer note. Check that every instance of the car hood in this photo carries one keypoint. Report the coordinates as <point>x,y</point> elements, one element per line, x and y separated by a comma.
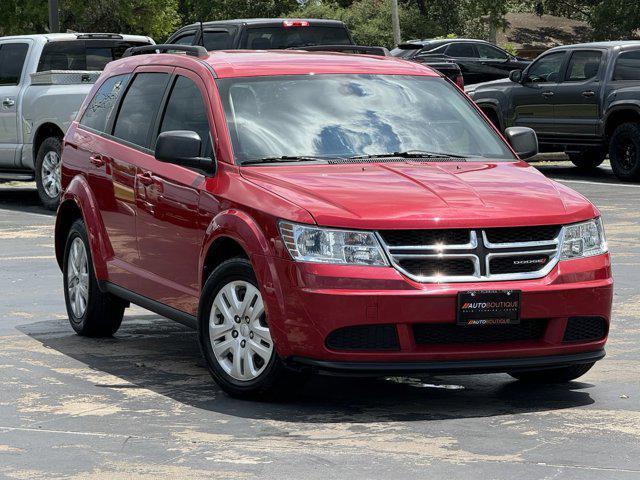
<point>423,195</point>
<point>493,83</point>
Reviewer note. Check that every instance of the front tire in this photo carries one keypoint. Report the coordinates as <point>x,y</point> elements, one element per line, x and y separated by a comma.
<point>92,313</point>
<point>234,334</point>
<point>48,172</point>
<point>587,159</point>
<point>553,375</point>
<point>624,151</point>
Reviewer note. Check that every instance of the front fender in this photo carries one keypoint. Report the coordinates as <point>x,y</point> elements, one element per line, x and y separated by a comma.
<point>243,229</point>
<point>79,192</point>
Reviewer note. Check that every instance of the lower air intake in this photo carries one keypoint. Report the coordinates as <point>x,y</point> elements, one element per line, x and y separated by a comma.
<point>364,337</point>
<point>585,329</point>
<point>450,333</point>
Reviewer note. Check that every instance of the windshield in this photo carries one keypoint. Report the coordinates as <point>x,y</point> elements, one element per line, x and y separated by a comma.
<point>353,115</point>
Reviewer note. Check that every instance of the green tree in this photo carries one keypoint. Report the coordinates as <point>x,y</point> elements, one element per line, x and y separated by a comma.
<point>23,16</point>
<point>206,10</point>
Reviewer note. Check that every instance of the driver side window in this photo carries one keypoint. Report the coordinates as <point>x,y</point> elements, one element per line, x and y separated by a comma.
<point>546,69</point>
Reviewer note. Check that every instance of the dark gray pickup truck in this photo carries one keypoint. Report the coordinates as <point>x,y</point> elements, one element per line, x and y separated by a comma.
<point>580,99</point>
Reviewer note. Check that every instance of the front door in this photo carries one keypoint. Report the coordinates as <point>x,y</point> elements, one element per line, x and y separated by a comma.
<point>577,97</point>
<point>170,228</point>
<point>533,100</point>
<point>12,59</point>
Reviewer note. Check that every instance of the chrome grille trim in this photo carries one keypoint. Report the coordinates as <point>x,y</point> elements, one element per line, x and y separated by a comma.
<point>478,254</point>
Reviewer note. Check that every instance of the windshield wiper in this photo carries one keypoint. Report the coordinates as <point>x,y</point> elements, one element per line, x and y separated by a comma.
<point>283,158</point>
<point>411,154</point>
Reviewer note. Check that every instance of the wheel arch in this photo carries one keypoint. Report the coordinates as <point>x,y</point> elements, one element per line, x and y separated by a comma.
<point>619,114</point>
<point>78,202</point>
<point>492,112</point>
<point>45,130</point>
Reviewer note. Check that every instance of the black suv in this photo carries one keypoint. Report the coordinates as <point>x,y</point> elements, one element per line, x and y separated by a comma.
<point>581,99</point>
<point>263,34</point>
<point>479,61</point>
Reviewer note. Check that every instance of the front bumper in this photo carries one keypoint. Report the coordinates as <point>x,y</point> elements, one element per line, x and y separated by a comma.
<point>313,300</point>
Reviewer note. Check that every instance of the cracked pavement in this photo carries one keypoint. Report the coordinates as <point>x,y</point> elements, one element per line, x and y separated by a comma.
<point>142,405</point>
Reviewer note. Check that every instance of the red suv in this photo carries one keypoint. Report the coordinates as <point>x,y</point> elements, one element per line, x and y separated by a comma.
<point>314,212</point>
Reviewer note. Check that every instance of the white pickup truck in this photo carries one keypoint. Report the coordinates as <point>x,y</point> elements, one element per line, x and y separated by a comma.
<point>43,81</point>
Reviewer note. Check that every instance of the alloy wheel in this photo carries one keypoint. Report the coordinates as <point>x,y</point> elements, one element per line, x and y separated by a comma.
<point>240,337</point>
<point>51,174</point>
<point>78,277</point>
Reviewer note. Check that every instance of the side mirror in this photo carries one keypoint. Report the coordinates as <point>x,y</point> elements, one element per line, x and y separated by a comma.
<point>182,147</point>
<point>516,76</point>
<point>523,140</point>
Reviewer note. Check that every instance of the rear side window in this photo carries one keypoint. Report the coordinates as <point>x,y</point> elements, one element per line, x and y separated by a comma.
<point>186,39</point>
<point>465,50</point>
<point>583,66</point>
<point>97,113</point>
<point>12,56</point>
<point>265,38</point>
<point>82,54</point>
<point>627,66</point>
<point>219,40</point>
<point>186,111</point>
<point>139,108</point>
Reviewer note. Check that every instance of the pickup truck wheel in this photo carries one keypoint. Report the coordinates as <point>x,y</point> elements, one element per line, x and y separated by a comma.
<point>92,313</point>
<point>587,159</point>
<point>553,375</point>
<point>234,334</point>
<point>48,172</point>
<point>624,151</point>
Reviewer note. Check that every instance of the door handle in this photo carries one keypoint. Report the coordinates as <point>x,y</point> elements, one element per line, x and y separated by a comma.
<point>8,102</point>
<point>588,93</point>
<point>547,94</point>
<point>145,178</point>
<point>97,160</point>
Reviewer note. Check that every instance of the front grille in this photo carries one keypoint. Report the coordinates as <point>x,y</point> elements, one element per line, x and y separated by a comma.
<point>522,234</point>
<point>425,237</point>
<point>525,263</point>
<point>364,337</point>
<point>461,255</point>
<point>432,266</point>
<point>585,329</point>
<point>451,333</point>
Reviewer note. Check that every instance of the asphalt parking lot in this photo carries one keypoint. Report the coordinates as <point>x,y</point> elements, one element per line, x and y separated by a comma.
<point>142,404</point>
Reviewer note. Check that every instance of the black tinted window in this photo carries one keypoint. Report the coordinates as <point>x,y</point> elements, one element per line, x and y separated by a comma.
<point>583,66</point>
<point>490,52</point>
<point>97,113</point>
<point>81,54</point>
<point>546,69</point>
<point>186,111</point>
<point>12,57</point>
<point>627,66</point>
<point>217,40</point>
<point>186,39</point>
<point>265,38</point>
<point>140,107</point>
<point>461,50</point>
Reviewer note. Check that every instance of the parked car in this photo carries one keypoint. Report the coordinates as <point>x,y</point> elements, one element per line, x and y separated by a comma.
<point>278,33</point>
<point>43,81</point>
<point>479,61</point>
<point>363,220</point>
<point>580,99</point>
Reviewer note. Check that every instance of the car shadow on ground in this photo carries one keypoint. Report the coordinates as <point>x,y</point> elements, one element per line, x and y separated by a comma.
<point>159,355</point>
<point>22,198</point>
<point>565,170</point>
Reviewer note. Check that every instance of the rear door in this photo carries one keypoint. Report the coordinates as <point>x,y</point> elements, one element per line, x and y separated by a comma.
<point>13,54</point>
<point>576,98</point>
<point>170,233</point>
<point>533,99</point>
<point>466,56</point>
<point>128,145</point>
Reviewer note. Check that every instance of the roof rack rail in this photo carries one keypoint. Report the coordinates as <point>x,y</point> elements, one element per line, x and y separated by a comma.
<point>368,50</point>
<point>99,35</point>
<point>191,50</point>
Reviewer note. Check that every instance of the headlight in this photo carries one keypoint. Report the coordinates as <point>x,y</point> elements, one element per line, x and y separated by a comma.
<point>583,240</point>
<point>308,243</point>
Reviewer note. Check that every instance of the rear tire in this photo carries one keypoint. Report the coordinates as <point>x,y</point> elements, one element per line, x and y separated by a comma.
<point>48,172</point>
<point>624,151</point>
<point>234,335</point>
<point>587,159</point>
<point>92,313</point>
<point>553,375</point>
